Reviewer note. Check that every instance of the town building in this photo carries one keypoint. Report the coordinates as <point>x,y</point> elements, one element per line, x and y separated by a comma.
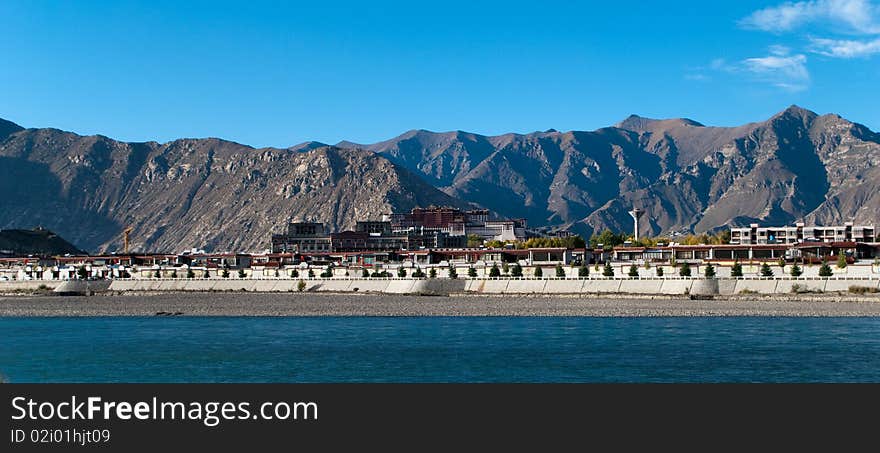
<point>455,222</point>
<point>756,234</point>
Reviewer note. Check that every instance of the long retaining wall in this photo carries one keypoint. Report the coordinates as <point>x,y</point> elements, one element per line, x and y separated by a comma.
<point>668,286</point>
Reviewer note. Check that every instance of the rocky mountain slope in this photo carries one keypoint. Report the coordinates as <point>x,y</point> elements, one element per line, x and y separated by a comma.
<point>205,193</point>
<point>38,241</point>
<point>220,195</point>
<point>797,165</point>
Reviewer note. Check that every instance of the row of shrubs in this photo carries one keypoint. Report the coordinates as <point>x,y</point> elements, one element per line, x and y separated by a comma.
<point>684,270</point>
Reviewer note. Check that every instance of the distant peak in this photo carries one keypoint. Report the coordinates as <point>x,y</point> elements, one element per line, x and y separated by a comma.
<point>8,127</point>
<point>307,146</point>
<point>638,123</point>
<point>798,111</point>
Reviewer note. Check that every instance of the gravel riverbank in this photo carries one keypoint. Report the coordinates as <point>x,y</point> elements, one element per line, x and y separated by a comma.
<point>297,304</point>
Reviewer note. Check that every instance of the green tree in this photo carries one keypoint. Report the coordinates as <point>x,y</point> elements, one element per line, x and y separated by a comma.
<point>505,268</point>
<point>608,239</point>
<point>633,271</point>
<point>560,272</point>
<point>82,273</point>
<point>157,274</point>
<point>736,270</point>
<point>474,240</point>
<point>584,271</point>
<point>311,273</point>
<point>365,273</point>
<point>225,273</point>
<point>841,260</point>
<point>432,273</point>
<point>766,271</point>
<point>191,274</point>
<point>608,271</point>
<point>277,274</point>
<point>241,273</point>
<point>418,273</point>
<point>538,272</point>
<point>659,271</point>
<point>174,273</point>
<point>796,270</point>
<point>685,270</point>
<point>294,273</point>
<point>206,274</point>
<point>709,271</point>
<point>452,273</point>
<point>301,286</point>
<point>494,271</point>
<point>825,270</point>
<point>401,272</point>
<point>472,273</point>
<point>516,270</point>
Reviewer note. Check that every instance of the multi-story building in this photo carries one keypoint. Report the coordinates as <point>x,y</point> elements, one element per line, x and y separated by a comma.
<point>755,234</point>
<point>302,237</point>
<point>455,222</point>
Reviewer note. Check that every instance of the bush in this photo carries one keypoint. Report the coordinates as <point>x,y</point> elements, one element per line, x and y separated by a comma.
<point>516,270</point>
<point>452,273</point>
<point>277,274</point>
<point>418,273</point>
<point>505,268</point>
<point>608,271</point>
<point>795,270</point>
<point>584,271</point>
<point>659,271</point>
<point>472,273</point>
<point>736,270</point>
<point>560,272</point>
<point>709,271</point>
<point>207,274</point>
<point>190,274</point>
<point>157,274</point>
<point>82,273</point>
<point>685,270</point>
<point>241,273</point>
<point>311,273</point>
<point>494,271</point>
<point>327,273</point>
<point>633,271</point>
<point>301,286</point>
<point>538,272</point>
<point>365,273</point>
<point>294,273</point>
<point>862,290</point>
<point>841,260</point>
<point>432,273</point>
<point>401,272</point>
<point>766,271</point>
<point>825,270</point>
<point>225,273</point>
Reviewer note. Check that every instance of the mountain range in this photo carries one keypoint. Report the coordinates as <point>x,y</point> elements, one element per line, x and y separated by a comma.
<point>220,195</point>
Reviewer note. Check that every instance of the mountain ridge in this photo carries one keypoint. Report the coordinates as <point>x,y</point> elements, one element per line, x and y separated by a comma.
<point>221,195</point>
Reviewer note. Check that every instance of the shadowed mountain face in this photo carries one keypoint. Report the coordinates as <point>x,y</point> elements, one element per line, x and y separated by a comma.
<point>688,177</point>
<point>221,195</point>
<point>206,193</point>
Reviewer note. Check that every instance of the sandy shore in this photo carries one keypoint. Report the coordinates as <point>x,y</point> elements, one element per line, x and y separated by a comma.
<point>294,304</point>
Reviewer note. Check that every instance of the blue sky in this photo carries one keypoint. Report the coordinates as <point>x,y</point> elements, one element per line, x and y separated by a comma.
<point>279,73</point>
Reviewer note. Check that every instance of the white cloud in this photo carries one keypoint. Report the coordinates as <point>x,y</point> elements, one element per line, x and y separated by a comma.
<point>779,68</point>
<point>852,16</point>
<point>787,72</point>
<point>842,48</point>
